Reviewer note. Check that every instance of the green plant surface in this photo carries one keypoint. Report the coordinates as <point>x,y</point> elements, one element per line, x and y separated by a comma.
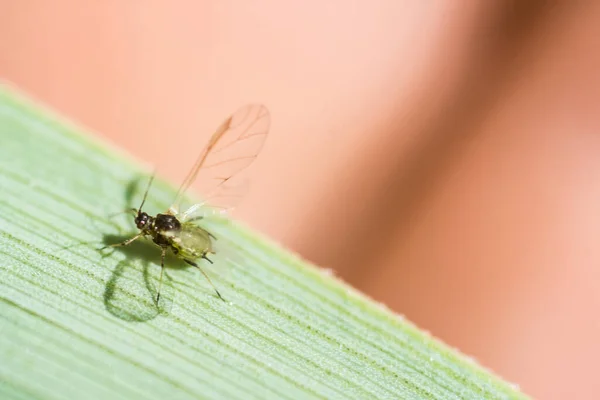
<point>78,323</point>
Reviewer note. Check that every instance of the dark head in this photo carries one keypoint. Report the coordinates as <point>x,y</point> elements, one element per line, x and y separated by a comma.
<point>142,220</point>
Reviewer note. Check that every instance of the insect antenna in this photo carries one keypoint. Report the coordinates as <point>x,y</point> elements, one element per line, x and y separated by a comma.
<point>129,210</point>
<point>146,192</point>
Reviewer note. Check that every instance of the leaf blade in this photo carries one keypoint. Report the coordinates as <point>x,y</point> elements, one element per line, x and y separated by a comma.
<point>292,331</point>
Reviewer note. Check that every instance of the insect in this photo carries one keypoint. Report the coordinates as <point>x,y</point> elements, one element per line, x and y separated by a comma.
<point>231,149</point>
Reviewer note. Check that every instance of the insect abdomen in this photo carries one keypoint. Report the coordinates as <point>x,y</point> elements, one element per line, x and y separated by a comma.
<point>192,241</point>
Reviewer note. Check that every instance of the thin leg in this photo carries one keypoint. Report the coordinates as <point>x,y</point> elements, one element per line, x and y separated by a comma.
<point>206,276</point>
<point>125,243</point>
<point>162,268</point>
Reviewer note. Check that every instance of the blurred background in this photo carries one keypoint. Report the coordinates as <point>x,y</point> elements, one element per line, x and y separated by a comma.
<point>441,156</point>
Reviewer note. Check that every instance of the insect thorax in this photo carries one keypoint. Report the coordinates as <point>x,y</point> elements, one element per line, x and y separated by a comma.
<point>163,228</point>
<point>166,223</point>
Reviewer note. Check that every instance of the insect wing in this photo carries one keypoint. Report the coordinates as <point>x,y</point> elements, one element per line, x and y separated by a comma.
<point>230,150</point>
<point>222,200</point>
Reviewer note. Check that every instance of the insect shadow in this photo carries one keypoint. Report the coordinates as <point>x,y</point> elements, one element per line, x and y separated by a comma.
<point>130,292</point>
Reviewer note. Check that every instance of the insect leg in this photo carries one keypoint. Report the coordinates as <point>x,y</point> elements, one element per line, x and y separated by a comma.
<point>206,276</point>
<point>125,243</point>
<point>162,268</point>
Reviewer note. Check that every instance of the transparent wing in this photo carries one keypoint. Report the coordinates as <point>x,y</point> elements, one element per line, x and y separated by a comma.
<point>230,150</point>
<point>221,201</point>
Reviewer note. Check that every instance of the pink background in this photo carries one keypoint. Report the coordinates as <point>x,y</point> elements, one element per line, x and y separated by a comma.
<point>442,156</point>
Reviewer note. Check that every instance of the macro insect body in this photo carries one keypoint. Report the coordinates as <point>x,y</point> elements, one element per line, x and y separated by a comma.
<point>231,149</point>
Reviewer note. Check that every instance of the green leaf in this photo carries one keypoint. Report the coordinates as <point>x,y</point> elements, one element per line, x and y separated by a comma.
<point>78,323</point>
